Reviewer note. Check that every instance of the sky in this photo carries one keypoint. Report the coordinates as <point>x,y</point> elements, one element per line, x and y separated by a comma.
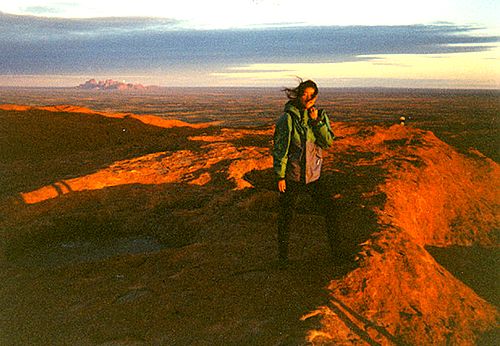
<point>385,43</point>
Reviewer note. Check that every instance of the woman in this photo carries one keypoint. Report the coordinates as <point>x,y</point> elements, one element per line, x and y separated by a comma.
<point>300,135</point>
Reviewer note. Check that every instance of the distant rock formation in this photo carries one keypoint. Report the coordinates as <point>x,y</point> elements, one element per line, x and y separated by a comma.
<point>110,84</point>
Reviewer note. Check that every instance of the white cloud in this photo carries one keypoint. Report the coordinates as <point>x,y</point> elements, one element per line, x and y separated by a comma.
<point>236,13</point>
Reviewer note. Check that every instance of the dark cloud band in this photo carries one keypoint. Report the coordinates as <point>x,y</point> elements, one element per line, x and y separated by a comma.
<point>34,45</point>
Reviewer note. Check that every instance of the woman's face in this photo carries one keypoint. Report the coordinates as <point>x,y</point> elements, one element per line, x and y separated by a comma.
<point>307,99</point>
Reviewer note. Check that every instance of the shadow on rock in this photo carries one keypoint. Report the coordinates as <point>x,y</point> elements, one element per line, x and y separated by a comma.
<point>99,224</point>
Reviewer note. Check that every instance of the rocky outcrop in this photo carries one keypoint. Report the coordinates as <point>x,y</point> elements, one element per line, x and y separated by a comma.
<point>109,84</point>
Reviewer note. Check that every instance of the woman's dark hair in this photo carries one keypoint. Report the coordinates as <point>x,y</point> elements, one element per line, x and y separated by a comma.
<point>295,93</point>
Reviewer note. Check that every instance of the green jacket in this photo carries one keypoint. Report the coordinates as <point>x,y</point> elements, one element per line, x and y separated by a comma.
<point>298,144</point>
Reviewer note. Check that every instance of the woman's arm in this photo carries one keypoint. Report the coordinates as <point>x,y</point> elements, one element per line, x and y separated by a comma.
<point>322,130</point>
<point>282,136</point>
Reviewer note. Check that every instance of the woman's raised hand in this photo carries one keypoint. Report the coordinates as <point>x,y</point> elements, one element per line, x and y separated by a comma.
<point>313,113</point>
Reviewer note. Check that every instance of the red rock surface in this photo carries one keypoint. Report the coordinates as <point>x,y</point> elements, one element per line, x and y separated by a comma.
<point>400,294</point>
<point>395,190</point>
<point>146,119</point>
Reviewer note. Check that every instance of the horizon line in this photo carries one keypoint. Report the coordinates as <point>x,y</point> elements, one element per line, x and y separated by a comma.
<point>154,87</point>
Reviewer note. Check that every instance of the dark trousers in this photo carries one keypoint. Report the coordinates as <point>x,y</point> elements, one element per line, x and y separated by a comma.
<point>322,203</point>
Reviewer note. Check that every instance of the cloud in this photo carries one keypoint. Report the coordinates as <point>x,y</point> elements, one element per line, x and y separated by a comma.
<point>40,10</point>
<point>36,45</point>
<point>17,28</point>
<point>53,9</point>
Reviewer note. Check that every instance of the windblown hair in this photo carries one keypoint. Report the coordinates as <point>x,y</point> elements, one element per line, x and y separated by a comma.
<point>295,93</point>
